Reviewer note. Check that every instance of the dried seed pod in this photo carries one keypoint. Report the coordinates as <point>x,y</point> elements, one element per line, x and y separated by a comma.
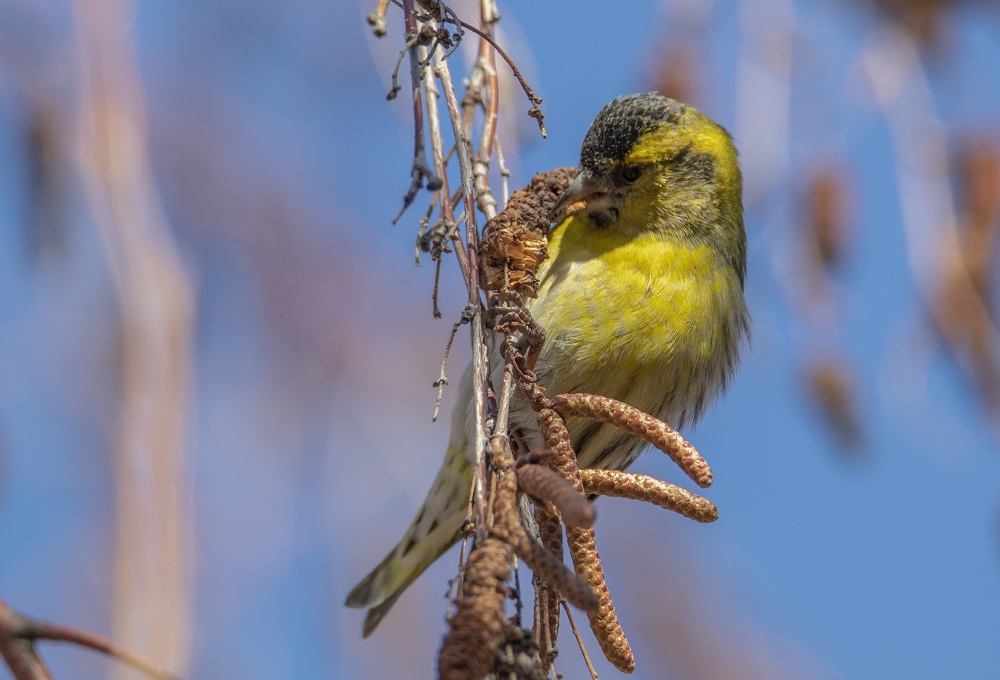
<point>603,620</point>
<point>620,484</point>
<point>556,438</point>
<point>519,656</point>
<point>583,545</point>
<point>515,241</point>
<point>546,565</point>
<point>642,425</point>
<point>551,569</point>
<point>476,630</point>
<point>543,483</point>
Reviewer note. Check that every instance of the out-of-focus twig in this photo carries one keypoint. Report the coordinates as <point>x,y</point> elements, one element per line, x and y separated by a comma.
<point>764,93</point>
<point>17,649</point>
<point>152,577</point>
<point>377,19</point>
<point>832,389</point>
<point>18,635</point>
<point>923,19</point>
<point>930,223</point>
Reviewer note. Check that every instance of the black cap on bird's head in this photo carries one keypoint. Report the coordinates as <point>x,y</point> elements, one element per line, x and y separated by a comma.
<point>620,124</point>
<point>604,174</point>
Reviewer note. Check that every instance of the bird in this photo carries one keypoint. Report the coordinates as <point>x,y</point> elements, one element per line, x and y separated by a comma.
<point>641,299</point>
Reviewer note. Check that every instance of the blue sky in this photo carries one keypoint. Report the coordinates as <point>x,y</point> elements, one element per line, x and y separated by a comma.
<point>310,435</point>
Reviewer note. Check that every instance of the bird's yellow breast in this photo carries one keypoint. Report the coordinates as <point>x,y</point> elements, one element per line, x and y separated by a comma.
<point>631,300</point>
<point>645,318</point>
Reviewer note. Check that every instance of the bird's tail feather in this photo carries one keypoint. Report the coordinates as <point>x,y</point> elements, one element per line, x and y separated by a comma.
<point>435,528</point>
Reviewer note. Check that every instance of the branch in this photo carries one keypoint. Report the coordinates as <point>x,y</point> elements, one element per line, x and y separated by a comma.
<point>19,633</point>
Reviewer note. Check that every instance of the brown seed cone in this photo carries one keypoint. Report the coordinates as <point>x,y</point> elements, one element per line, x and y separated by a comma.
<point>642,425</point>
<point>551,569</point>
<point>543,563</point>
<point>476,630</point>
<point>619,484</point>
<point>515,241</point>
<point>603,621</point>
<point>545,484</point>
<point>583,545</point>
<point>556,438</point>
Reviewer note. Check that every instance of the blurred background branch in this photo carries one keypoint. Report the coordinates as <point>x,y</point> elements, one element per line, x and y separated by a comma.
<point>153,505</point>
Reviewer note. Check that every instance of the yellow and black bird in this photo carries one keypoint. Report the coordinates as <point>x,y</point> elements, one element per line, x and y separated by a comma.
<point>641,300</point>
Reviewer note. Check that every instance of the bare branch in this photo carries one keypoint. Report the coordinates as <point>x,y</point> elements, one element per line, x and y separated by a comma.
<point>421,171</point>
<point>19,633</point>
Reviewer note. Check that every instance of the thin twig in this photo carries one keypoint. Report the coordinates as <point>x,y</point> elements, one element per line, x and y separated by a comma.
<point>394,77</point>
<point>445,199</point>
<point>547,619</point>
<point>466,533</point>
<point>535,112</point>
<point>57,633</point>
<point>579,641</point>
<point>436,312</point>
<point>377,19</point>
<point>18,634</point>
<point>466,317</point>
<point>420,171</point>
<point>504,172</point>
<point>486,64</point>
<point>518,600</point>
<point>480,365</point>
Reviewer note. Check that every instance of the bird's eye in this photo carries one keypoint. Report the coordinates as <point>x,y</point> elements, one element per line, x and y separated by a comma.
<point>631,173</point>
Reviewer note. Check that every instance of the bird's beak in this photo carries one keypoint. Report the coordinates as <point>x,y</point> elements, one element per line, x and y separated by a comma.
<point>585,194</point>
